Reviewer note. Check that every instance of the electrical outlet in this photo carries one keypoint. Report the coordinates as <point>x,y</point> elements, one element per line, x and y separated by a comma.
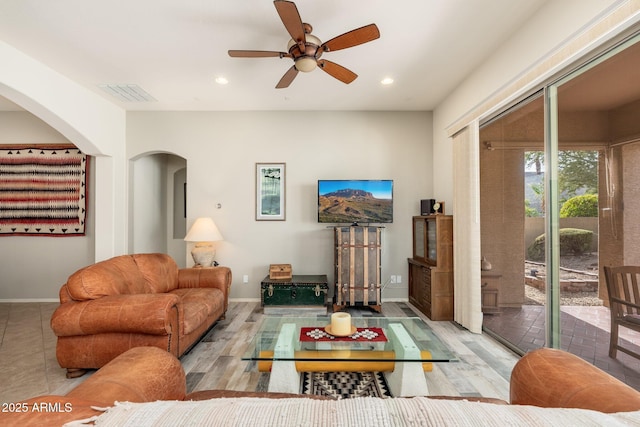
<point>393,279</point>
<point>398,279</point>
<point>245,278</point>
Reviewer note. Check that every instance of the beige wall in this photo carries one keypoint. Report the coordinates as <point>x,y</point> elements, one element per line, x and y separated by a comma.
<point>501,219</point>
<point>35,267</point>
<point>631,206</point>
<point>222,148</point>
<point>197,138</point>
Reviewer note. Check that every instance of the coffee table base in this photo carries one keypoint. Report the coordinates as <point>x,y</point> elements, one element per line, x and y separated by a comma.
<point>406,379</point>
<point>284,378</point>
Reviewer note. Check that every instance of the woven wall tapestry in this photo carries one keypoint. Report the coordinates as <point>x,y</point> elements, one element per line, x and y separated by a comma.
<point>43,190</point>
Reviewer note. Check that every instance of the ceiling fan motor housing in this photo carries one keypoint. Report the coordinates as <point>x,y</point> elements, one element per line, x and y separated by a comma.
<point>306,60</point>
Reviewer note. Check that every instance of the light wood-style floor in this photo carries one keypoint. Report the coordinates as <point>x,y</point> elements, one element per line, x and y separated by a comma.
<point>28,365</point>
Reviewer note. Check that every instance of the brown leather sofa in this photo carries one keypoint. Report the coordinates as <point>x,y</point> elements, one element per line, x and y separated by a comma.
<point>132,301</point>
<point>544,378</point>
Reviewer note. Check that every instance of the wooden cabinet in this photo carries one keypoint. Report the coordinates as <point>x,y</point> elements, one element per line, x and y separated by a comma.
<point>431,268</point>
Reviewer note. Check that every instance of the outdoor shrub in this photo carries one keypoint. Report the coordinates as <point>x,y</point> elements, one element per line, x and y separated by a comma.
<point>573,241</point>
<point>585,205</point>
<point>530,212</point>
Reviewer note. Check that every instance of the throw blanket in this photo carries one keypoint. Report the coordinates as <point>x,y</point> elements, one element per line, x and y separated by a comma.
<point>369,412</point>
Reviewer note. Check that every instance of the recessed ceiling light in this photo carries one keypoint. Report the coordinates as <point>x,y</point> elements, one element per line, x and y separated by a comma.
<point>386,81</point>
<point>221,80</point>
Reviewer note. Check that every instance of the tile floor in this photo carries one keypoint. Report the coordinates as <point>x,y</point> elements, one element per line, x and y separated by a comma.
<point>28,364</point>
<point>584,332</point>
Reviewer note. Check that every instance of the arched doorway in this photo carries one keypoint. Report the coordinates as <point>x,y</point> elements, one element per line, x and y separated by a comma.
<point>157,214</point>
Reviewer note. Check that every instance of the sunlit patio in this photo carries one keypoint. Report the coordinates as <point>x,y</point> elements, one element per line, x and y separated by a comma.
<point>584,332</point>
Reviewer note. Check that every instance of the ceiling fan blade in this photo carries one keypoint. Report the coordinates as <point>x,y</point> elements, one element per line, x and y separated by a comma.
<point>337,71</point>
<point>352,38</point>
<point>291,19</point>
<point>288,77</point>
<point>256,54</point>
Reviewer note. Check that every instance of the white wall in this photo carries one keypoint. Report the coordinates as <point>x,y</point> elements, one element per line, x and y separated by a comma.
<point>222,148</point>
<point>88,121</point>
<point>176,222</point>
<point>148,204</point>
<point>152,222</point>
<point>35,267</point>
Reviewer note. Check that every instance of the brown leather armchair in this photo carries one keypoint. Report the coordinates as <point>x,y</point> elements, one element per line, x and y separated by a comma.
<point>135,300</point>
<point>553,378</point>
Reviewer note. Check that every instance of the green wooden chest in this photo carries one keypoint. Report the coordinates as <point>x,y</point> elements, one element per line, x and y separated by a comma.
<point>300,290</point>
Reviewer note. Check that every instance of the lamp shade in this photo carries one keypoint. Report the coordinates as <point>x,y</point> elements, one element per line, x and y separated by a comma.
<point>203,230</point>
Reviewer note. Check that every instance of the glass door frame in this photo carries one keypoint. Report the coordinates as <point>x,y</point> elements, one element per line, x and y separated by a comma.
<point>552,214</point>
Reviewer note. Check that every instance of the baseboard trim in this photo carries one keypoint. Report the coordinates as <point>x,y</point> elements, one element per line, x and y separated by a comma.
<point>258,300</point>
<point>27,300</point>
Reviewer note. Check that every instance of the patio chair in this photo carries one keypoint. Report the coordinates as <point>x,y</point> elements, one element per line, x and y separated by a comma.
<point>623,286</point>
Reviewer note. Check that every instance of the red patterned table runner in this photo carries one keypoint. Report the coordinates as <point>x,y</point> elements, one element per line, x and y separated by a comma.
<point>361,334</point>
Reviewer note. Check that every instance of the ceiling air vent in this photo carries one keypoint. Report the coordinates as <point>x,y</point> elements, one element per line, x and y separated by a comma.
<point>128,93</point>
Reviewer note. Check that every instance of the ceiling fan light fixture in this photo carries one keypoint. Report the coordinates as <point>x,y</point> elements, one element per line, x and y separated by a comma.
<point>305,64</point>
<point>305,49</point>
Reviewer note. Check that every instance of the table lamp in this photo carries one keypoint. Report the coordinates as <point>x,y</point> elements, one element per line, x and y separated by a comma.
<point>204,232</point>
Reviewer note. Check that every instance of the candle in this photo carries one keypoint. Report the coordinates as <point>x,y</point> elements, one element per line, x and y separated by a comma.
<point>341,324</point>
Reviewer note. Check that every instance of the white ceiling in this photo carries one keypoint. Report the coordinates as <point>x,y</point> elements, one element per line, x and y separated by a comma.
<point>174,49</point>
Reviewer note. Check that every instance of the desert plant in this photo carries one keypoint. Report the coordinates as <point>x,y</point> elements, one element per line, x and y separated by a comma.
<point>585,205</point>
<point>573,241</point>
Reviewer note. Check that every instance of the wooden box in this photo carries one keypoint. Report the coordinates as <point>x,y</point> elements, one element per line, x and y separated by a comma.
<point>300,291</point>
<point>280,271</point>
<point>357,264</point>
<point>489,290</point>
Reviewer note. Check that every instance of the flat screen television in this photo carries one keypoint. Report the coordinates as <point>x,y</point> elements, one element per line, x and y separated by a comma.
<point>355,201</point>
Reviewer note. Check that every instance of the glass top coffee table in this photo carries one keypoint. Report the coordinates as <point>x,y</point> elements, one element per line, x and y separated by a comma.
<point>404,348</point>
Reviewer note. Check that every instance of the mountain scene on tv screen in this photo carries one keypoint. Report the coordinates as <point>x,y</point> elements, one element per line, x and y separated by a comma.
<point>351,205</point>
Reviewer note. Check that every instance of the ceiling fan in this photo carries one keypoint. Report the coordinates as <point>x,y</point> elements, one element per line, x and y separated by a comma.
<point>306,49</point>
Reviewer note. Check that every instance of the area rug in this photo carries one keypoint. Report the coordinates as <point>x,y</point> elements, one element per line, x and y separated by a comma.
<point>345,385</point>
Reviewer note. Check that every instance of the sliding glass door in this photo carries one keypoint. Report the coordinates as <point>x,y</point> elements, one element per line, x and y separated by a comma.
<point>559,188</point>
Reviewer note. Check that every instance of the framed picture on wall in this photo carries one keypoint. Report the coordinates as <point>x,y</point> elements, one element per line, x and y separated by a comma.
<point>270,192</point>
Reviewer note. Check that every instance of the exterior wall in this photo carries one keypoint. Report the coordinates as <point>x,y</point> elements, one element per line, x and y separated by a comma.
<point>501,219</point>
<point>631,206</point>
